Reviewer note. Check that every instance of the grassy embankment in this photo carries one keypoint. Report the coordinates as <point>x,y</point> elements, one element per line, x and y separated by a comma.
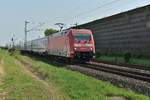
<point>17,84</point>
<point>120,59</point>
<point>76,85</point>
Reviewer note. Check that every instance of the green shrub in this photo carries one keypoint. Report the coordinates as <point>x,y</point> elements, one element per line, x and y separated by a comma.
<point>127,57</point>
<point>139,56</point>
<point>98,54</point>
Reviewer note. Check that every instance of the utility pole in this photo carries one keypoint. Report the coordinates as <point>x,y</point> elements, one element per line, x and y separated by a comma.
<point>13,41</point>
<point>28,30</point>
<point>25,31</point>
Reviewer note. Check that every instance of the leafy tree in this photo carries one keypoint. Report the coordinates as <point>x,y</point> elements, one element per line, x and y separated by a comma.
<point>50,31</point>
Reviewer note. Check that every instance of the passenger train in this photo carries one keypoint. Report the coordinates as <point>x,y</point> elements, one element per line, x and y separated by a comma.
<point>71,43</point>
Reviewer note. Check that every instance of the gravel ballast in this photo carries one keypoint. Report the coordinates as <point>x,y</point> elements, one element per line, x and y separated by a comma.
<point>117,80</point>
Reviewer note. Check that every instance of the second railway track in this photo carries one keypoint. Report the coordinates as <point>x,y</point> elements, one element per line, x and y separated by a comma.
<point>139,74</point>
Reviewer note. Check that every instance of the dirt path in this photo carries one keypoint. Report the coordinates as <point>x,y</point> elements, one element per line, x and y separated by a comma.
<point>3,94</point>
<point>1,71</point>
<point>116,98</point>
<point>55,95</point>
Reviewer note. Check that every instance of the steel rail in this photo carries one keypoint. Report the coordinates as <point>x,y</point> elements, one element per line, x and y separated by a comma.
<point>131,74</point>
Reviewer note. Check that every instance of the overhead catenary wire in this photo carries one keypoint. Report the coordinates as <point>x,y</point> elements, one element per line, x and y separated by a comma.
<point>109,9</point>
<point>66,13</point>
<point>35,28</point>
<point>84,13</point>
<point>92,10</point>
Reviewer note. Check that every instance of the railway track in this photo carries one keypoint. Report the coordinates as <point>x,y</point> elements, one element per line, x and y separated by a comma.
<point>136,72</point>
<point>124,65</point>
<point>131,72</point>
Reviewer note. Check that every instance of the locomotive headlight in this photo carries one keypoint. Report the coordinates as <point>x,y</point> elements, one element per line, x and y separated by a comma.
<point>91,49</point>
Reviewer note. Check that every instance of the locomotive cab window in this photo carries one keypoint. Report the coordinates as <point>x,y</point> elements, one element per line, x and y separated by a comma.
<point>79,37</point>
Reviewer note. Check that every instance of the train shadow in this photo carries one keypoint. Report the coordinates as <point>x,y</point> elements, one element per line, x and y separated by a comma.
<point>48,59</point>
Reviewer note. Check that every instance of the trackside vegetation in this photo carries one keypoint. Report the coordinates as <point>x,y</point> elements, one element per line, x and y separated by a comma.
<point>18,85</point>
<point>76,85</point>
<point>120,60</point>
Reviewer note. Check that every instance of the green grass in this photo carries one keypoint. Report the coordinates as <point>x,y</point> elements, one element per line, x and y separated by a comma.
<point>111,59</point>
<point>142,62</point>
<point>78,86</point>
<point>20,86</point>
<point>135,61</point>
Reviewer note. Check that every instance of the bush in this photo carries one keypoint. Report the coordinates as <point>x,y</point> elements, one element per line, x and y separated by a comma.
<point>127,57</point>
<point>139,56</point>
<point>98,54</point>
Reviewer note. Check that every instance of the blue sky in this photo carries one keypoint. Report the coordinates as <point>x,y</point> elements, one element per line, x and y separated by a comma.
<point>13,13</point>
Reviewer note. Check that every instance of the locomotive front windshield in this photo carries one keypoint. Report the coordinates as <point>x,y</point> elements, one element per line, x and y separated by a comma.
<point>80,37</point>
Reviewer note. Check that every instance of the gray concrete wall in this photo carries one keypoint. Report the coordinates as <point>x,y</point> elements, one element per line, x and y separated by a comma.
<point>124,32</point>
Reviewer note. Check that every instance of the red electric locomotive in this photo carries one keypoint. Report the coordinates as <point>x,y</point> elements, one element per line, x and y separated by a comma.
<point>72,43</point>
